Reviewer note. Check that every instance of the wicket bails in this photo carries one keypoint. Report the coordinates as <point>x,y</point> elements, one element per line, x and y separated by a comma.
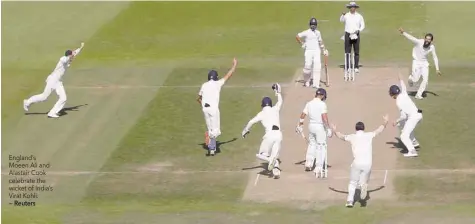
<point>349,67</point>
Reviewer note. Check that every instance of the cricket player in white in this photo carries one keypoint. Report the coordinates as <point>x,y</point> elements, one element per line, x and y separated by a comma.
<point>208,98</point>
<point>54,82</point>
<point>362,149</point>
<point>319,130</point>
<point>272,140</point>
<point>409,118</point>
<point>420,64</point>
<point>313,45</point>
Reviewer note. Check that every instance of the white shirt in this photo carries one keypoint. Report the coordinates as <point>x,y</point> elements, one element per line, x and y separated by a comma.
<point>419,53</point>
<point>353,22</point>
<point>311,39</point>
<point>62,65</point>
<point>269,116</point>
<point>404,103</point>
<point>314,110</point>
<point>210,92</point>
<point>362,146</point>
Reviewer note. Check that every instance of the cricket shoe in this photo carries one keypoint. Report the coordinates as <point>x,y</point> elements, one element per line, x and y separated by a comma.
<point>364,191</point>
<point>411,154</point>
<point>349,204</point>
<point>357,71</point>
<point>25,105</point>
<point>419,97</point>
<point>308,169</point>
<point>53,116</point>
<point>307,84</point>
<point>271,165</point>
<point>276,173</point>
<point>410,82</point>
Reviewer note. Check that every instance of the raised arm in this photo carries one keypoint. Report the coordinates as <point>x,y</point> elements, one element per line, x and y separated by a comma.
<point>338,134</point>
<point>76,52</point>
<point>401,83</point>
<point>382,126</point>
<point>342,17</point>
<point>280,101</point>
<point>409,36</point>
<point>231,71</point>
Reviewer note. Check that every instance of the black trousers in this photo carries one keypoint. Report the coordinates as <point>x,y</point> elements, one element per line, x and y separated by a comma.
<point>356,49</point>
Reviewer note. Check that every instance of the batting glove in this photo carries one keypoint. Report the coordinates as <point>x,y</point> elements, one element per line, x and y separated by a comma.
<point>299,129</point>
<point>329,133</point>
<point>304,46</point>
<point>325,52</point>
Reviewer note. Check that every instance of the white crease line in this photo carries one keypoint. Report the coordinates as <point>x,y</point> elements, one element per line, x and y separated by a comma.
<point>160,86</point>
<point>385,177</point>
<point>71,173</point>
<point>257,179</point>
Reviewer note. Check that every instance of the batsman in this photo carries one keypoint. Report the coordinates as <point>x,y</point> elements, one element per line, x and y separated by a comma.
<point>319,130</point>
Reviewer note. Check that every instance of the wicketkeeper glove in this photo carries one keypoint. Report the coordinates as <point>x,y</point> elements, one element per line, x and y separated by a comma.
<point>276,88</point>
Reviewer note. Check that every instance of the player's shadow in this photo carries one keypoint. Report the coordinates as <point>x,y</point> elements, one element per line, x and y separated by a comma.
<point>399,145</point>
<point>363,201</point>
<point>424,94</point>
<point>218,145</point>
<point>313,167</point>
<point>264,170</point>
<point>343,66</point>
<point>62,112</point>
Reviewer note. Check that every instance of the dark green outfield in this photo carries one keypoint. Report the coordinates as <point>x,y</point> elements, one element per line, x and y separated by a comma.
<point>153,56</point>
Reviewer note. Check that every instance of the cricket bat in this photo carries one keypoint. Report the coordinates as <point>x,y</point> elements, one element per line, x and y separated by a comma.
<point>326,71</point>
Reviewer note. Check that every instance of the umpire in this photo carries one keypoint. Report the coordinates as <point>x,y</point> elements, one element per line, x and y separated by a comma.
<point>354,24</point>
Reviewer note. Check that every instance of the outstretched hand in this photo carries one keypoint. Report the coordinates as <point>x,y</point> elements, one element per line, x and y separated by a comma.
<point>439,73</point>
<point>401,30</point>
<point>386,118</point>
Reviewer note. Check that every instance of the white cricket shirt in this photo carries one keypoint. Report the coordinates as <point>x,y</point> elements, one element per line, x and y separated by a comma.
<point>353,22</point>
<point>419,53</point>
<point>362,147</point>
<point>210,92</point>
<point>61,67</point>
<point>404,102</point>
<point>312,39</point>
<point>314,110</point>
<point>269,116</point>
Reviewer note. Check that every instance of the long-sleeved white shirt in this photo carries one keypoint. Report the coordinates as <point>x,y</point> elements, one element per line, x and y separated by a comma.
<point>353,22</point>
<point>269,116</point>
<point>419,53</point>
<point>314,110</point>
<point>406,106</point>
<point>362,146</point>
<point>210,92</point>
<point>62,65</point>
<point>312,39</point>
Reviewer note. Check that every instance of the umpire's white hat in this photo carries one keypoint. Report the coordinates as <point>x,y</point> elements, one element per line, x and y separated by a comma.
<point>352,4</point>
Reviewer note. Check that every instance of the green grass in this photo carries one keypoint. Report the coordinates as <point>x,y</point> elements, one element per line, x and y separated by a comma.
<point>145,45</point>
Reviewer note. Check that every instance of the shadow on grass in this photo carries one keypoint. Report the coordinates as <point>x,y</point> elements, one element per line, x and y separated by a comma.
<point>399,145</point>
<point>62,112</point>
<point>362,201</point>
<point>413,93</point>
<point>218,145</point>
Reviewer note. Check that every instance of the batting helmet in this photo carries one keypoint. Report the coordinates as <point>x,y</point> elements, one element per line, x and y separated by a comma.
<point>394,90</point>
<point>266,101</point>
<point>359,126</point>
<point>313,23</point>
<point>213,75</point>
<point>68,52</point>
<point>321,92</point>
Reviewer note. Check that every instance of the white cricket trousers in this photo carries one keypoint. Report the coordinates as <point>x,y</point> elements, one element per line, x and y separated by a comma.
<point>420,69</point>
<point>407,133</point>
<point>317,147</point>
<point>51,84</point>
<point>359,175</point>
<point>213,123</point>
<point>270,146</point>
<point>313,66</point>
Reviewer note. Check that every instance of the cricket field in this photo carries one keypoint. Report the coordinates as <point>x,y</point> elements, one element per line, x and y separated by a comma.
<point>128,147</point>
